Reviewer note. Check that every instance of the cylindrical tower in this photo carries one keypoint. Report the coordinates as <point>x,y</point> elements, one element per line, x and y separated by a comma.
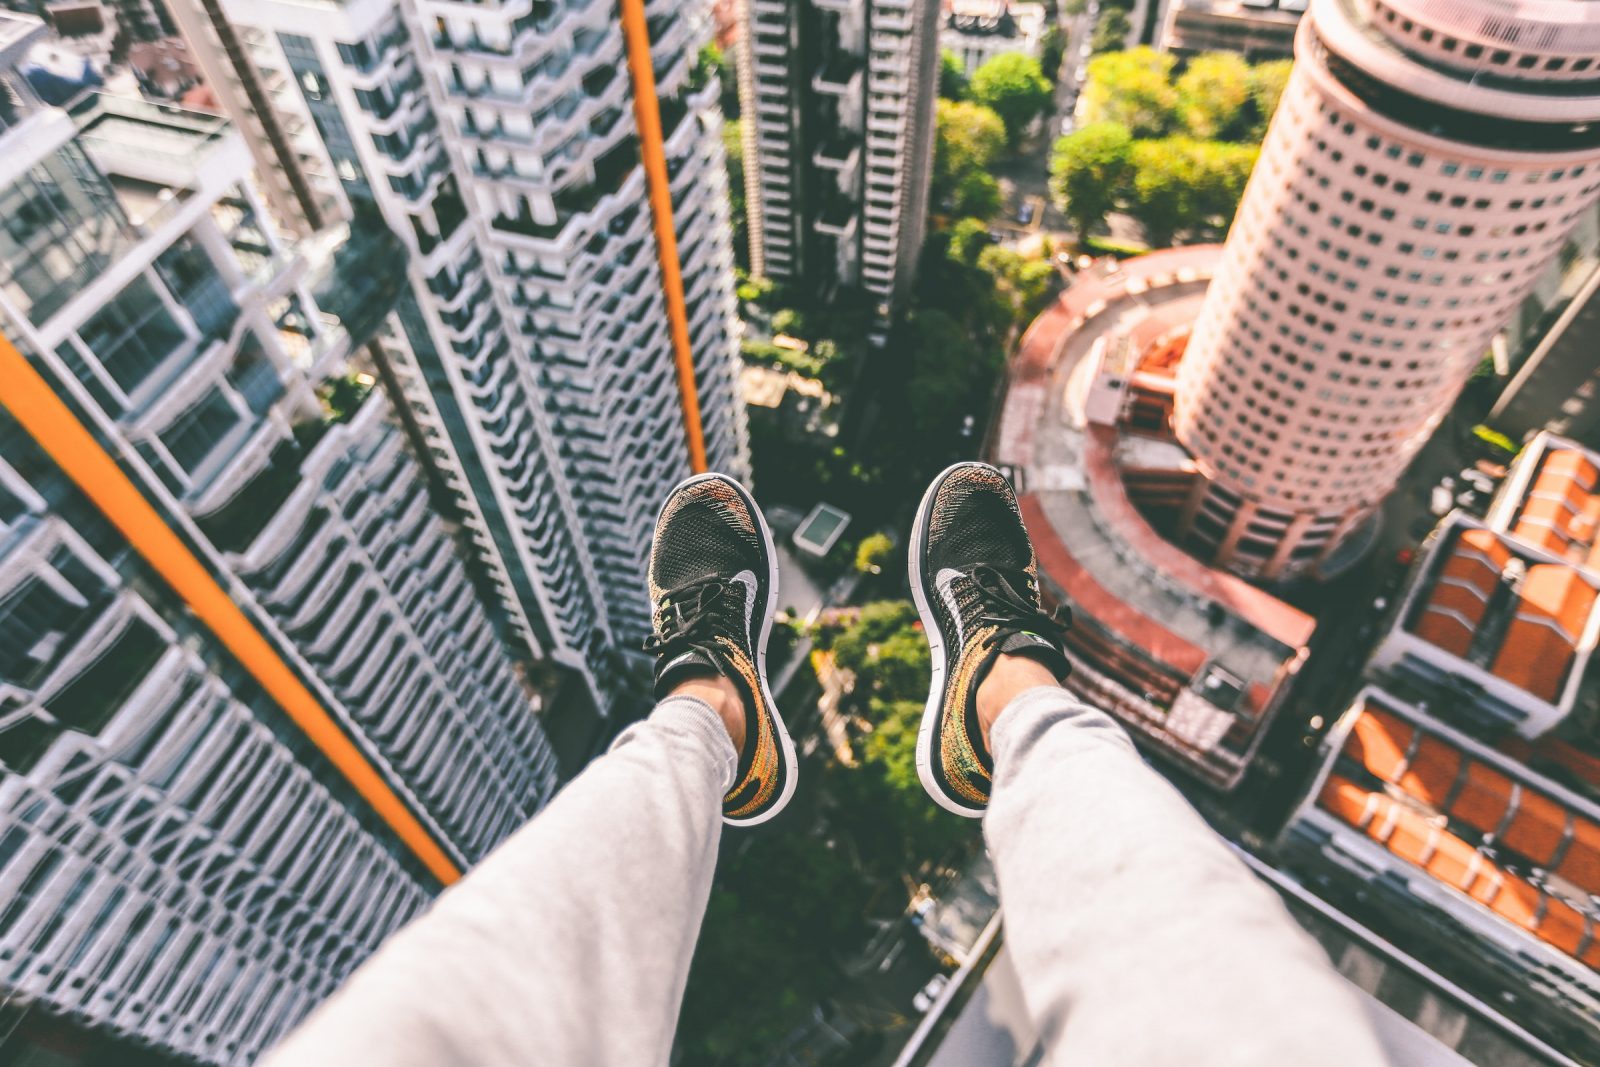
<point>1429,157</point>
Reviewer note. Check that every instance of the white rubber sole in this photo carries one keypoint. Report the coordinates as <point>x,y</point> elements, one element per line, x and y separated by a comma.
<point>936,654</point>
<point>785,742</point>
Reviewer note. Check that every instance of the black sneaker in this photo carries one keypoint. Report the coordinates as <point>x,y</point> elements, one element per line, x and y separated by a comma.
<point>976,584</point>
<point>714,586</point>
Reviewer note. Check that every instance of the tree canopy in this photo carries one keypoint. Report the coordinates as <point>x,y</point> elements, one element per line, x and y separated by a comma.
<point>1012,85</point>
<point>969,139</point>
<point>1267,82</point>
<point>1132,89</point>
<point>1214,96</point>
<point>1181,184</point>
<point>1174,154</point>
<point>1089,167</point>
<point>952,76</point>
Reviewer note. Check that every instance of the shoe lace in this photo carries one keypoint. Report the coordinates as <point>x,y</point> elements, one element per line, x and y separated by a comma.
<point>1009,600</point>
<point>692,614</point>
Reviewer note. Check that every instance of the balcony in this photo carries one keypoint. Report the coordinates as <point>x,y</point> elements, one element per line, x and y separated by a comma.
<point>156,156</point>
<point>838,152</point>
<point>356,274</point>
<point>840,75</point>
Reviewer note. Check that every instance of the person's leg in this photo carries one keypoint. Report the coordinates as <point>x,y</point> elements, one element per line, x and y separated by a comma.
<point>1139,936</point>
<point>571,943</point>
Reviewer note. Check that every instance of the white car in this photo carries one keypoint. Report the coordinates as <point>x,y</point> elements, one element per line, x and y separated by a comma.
<point>929,993</point>
<point>1068,124</point>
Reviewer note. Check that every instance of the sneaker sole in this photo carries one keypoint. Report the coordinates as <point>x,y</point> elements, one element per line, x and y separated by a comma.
<point>791,776</point>
<point>936,653</point>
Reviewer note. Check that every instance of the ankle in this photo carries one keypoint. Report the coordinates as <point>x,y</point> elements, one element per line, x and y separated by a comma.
<point>1006,678</point>
<point>724,699</point>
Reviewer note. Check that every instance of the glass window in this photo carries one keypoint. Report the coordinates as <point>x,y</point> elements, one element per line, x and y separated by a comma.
<point>193,435</point>
<point>59,228</point>
<point>132,335</point>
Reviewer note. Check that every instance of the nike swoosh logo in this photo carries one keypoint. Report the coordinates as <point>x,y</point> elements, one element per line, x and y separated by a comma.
<point>748,578</point>
<point>944,583</point>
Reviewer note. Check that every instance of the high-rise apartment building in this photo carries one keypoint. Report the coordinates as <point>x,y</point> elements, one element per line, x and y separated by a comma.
<point>212,807</point>
<point>838,100</point>
<point>1427,161</point>
<point>542,349</point>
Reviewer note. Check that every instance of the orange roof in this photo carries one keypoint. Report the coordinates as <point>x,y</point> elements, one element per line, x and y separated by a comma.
<point>1484,798</point>
<point>1476,798</point>
<point>1546,537</point>
<point>1378,741</point>
<point>1580,863</point>
<point>1444,631</point>
<point>1423,841</point>
<point>1461,592</point>
<point>1485,543</point>
<point>1553,608</point>
<point>1570,463</point>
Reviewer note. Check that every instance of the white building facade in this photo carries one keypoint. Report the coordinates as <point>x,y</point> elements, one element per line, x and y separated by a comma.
<point>534,348</point>
<point>179,863</point>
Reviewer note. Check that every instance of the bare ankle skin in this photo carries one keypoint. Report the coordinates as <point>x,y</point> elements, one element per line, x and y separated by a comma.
<point>1009,676</point>
<point>724,699</point>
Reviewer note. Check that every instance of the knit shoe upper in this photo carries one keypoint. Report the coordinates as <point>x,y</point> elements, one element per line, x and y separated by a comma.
<point>713,579</point>
<point>976,582</point>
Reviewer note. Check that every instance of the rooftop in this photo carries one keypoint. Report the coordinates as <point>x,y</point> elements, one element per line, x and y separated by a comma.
<point>1518,618</point>
<point>1195,659</point>
<point>1510,853</point>
<point>153,155</point>
<point>1552,500</point>
<point>18,33</point>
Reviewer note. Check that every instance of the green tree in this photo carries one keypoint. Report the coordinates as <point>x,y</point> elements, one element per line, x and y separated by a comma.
<point>968,238</point>
<point>969,138</point>
<point>948,373</point>
<point>1182,185</point>
<point>1162,199</point>
<point>1214,95</point>
<point>733,152</point>
<point>1267,82</point>
<point>978,195</point>
<point>1087,171</point>
<point>789,321</point>
<point>1012,85</point>
<point>1222,172</point>
<point>1024,283</point>
<point>1133,89</point>
<point>952,76</point>
<point>1111,32</point>
<point>712,63</point>
<point>873,552</point>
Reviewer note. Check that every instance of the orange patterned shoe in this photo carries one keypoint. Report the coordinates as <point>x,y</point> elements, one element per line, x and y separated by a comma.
<point>714,587</point>
<point>976,583</point>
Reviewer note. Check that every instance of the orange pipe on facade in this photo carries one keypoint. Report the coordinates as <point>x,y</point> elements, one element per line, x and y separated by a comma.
<point>51,423</point>
<point>652,150</point>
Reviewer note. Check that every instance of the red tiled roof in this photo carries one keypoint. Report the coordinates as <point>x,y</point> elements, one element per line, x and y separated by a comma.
<point>1453,859</point>
<point>1479,803</point>
<point>1552,610</point>
<point>1561,510</point>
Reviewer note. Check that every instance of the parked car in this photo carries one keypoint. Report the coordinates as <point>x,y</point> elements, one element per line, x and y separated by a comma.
<point>1025,212</point>
<point>1068,124</point>
<point>929,993</point>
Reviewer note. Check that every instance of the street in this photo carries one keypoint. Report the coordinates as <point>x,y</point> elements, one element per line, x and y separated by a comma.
<point>1026,177</point>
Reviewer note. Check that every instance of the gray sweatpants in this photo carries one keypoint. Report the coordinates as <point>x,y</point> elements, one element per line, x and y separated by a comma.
<point>1138,936</point>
